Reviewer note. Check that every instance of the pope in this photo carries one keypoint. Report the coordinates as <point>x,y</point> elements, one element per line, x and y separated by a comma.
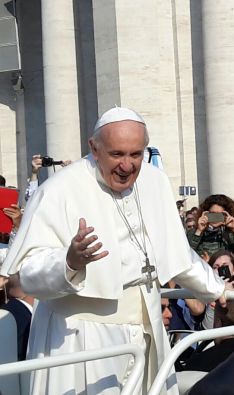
<point>96,241</point>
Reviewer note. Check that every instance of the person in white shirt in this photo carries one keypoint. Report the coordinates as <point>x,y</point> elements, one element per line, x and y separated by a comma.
<point>96,241</point>
<point>33,181</point>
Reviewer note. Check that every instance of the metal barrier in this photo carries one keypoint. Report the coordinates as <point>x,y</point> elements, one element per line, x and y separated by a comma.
<point>66,359</point>
<point>179,348</point>
<point>183,293</point>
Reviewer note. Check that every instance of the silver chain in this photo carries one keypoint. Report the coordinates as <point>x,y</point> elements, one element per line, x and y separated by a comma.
<point>142,227</point>
<point>148,269</point>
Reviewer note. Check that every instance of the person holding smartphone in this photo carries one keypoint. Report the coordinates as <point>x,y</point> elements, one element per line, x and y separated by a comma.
<point>214,228</point>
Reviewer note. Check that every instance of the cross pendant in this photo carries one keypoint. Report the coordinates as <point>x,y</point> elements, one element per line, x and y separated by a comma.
<point>148,269</point>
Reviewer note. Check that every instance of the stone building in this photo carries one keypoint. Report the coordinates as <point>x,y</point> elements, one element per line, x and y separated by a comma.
<point>172,61</point>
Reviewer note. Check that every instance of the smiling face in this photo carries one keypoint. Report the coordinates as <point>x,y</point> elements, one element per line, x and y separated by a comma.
<point>118,151</point>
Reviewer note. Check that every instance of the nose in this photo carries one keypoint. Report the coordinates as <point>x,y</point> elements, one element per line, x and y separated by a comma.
<point>169,313</point>
<point>126,164</point>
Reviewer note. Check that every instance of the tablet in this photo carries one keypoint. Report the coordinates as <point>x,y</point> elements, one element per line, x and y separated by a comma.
<point>8,196</point>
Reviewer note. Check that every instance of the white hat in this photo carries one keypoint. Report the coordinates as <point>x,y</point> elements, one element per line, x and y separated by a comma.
<point>118,114</point>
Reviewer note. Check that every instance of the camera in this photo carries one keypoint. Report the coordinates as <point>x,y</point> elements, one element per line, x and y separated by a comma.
<point>224,272</point>
<point>47,161</point>
<point>215,217</point>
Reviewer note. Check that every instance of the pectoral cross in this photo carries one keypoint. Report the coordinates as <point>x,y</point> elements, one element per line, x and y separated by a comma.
<point>148,269</point>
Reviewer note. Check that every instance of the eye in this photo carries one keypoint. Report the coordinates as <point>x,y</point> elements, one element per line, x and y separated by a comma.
<point>116,154</point>
<point>137,154</point>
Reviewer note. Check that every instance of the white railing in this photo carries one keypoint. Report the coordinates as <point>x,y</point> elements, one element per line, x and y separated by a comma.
<point>176,293</point>
<point>179,348</point>
<point>183,293</point>
<point>66,359</point>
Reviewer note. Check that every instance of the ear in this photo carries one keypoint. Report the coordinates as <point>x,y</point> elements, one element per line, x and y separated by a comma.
<point>93,147</point>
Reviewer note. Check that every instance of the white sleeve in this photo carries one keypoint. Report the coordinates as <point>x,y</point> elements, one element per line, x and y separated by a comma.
<point>45,275</point>
<point>201,280</point>
<point>31,188</point>
<point>3,254</point>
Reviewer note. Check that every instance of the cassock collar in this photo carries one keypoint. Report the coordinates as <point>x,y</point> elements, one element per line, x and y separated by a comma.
<point>94,170</point>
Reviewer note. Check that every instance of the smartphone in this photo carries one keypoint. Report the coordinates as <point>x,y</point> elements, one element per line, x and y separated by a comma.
<point>224,272</point>
<point>215,217</point>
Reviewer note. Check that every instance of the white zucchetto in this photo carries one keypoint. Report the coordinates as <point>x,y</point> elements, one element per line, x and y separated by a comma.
<point>118,114</point>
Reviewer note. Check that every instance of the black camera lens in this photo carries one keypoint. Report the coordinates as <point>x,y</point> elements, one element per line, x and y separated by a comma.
<point>46,161</point>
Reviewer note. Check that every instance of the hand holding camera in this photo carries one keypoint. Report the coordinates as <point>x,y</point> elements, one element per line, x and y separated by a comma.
<point>223,218</point>
<point>229,221</point>
<point>202,223</point>
<point>47,161</point>
<point>36,164</point>
<point>224,272</point>
<point>215,219</point>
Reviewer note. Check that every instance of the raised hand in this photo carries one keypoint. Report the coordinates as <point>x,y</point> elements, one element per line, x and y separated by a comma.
<point>36,163</point>
<point>66,163</point>
<point>202,222</point>
<point>83,248</point>
<point>229,221</point>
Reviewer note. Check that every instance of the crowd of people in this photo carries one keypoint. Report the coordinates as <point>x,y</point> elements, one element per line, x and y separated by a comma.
<point>210,232</point>
<point>88,254</point>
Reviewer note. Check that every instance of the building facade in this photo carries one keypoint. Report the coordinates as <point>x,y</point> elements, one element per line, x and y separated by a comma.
<point>171,61</point>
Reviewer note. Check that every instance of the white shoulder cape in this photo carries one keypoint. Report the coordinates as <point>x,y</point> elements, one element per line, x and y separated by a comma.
<point>51,220</point>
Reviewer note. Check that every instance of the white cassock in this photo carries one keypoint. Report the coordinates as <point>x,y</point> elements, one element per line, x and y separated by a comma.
<point>109,303</point>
